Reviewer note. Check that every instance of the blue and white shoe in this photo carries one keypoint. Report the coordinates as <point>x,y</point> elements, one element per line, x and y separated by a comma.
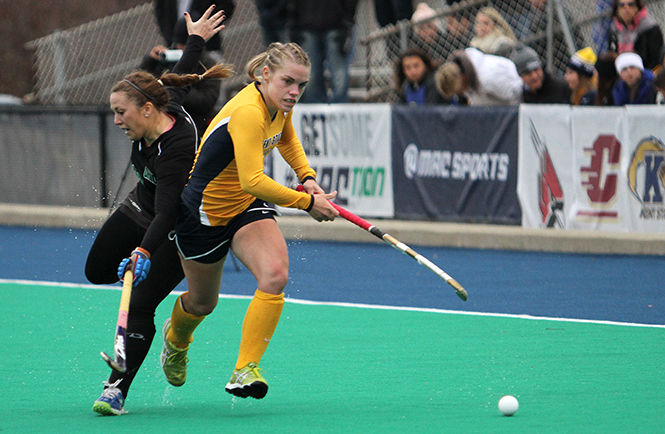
<point>111,402</point>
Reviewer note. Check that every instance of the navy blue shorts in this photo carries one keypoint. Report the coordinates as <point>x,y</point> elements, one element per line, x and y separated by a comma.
<point>209,244</point>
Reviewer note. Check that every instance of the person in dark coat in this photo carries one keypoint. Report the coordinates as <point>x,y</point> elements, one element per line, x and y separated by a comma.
<point>607,75</point>
<point>540,86</point>
<point>325,31</point>
<point>634,30</point>
<point>272,17</point>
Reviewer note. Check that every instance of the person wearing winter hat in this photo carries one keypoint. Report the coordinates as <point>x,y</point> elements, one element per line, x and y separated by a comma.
<point>635,84</point>
<point>540,87</point>
<point>583,61</point>
<point>628,60</point>
<point>580,77</point>
<point>428,32</point>
<point>422,13</point>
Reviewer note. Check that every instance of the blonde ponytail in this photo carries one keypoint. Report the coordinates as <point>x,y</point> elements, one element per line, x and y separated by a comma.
<point>274,58</point>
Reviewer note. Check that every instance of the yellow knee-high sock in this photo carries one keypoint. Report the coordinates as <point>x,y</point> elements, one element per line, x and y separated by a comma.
<point>182,325</point>
<point>260,323</point>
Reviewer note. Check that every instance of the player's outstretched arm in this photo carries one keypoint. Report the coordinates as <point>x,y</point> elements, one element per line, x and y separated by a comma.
<point>207,25</point>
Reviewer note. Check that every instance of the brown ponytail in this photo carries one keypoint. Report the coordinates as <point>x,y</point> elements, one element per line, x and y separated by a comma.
<point>181,80</point>
<point>141,86</point>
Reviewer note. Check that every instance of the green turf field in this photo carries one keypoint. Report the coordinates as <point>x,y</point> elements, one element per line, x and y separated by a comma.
<point>333,369</point>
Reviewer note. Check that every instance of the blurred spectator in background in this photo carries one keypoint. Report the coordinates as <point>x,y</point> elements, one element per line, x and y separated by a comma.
<point>272,17</point>
<point>635,84</point>
<point>200,101</point>
<point>168,12</point>
<point>493,33</point>
<point>529,18</point>
<point>531,22</point>
<point>659,84</point>
<point>325,31</point>
<point>484,79</point>
<point>459,28</point>
<point>428,36</point>
<point>601,28</point>
<point>540,87</point>
<point>606,74</point>
<point>414,79</point>
<point>389,12</point>
<point>634,30</point>
<point>580,77</point>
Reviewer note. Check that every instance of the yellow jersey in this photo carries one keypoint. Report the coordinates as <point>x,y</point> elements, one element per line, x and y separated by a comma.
<point>228,171</point>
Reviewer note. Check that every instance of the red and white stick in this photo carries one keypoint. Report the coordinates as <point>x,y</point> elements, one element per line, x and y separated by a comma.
<point>120,343</point>
<point>394,242</point>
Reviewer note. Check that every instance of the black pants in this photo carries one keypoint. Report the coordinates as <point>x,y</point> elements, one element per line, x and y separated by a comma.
<point>392,11</point>
<point>116,239</point>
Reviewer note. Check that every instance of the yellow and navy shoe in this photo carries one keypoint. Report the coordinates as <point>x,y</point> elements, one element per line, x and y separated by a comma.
<point>248,381</point>
<point>111,402</point>
<point>174,359</point>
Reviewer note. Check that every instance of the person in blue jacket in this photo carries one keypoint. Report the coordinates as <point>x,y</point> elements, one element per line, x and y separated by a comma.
<point>635,84</point>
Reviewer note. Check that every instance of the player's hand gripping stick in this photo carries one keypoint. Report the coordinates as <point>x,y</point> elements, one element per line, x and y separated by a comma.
<point>138,263</point>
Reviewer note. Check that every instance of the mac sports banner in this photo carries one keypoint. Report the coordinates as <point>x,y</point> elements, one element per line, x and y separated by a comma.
<point>349,147</point>
<point>456,163</point>
<point>592,168</point>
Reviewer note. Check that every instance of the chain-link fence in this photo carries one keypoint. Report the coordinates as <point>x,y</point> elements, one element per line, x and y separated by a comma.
<point>80,65</point>
<point>555,29</point>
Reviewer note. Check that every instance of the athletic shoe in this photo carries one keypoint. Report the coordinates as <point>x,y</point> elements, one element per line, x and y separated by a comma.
<point>248,381</point>
<point>111,402</point>
<point>174,359</point>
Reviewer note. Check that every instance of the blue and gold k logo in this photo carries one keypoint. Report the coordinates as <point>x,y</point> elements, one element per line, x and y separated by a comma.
<point>646,173</point>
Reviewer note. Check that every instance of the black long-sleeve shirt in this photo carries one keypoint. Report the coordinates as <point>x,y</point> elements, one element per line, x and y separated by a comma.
<point>553,91</point>
<point>163,167</point>
<point>202,96</point>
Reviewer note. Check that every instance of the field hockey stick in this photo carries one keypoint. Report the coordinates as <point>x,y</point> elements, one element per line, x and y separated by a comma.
<point>119,362</point>
<point>394,242</point>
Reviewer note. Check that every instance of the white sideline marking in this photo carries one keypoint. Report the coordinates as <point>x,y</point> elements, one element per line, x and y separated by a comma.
<point>356,305</point>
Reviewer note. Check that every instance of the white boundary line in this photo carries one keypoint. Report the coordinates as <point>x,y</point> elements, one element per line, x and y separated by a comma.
<point>358,305</point>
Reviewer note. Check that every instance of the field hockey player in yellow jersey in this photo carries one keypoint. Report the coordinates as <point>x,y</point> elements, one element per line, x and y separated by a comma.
<point>225,206</point>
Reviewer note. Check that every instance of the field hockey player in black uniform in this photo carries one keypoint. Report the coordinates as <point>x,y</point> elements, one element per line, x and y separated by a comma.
<point>164,142</point>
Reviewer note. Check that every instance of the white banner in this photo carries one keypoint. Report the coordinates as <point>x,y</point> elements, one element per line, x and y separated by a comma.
<point>349,147</point>
<point>593,168</point>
